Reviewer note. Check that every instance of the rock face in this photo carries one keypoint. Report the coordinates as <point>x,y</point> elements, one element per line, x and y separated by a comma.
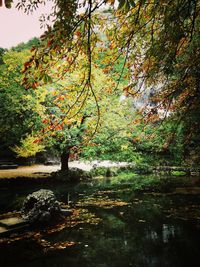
<point>41,207</point>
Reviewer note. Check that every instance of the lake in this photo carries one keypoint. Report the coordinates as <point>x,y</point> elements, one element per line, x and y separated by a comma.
<point>120,228</point>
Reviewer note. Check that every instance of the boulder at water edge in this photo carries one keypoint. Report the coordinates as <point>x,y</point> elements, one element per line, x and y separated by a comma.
<point>41,207</point>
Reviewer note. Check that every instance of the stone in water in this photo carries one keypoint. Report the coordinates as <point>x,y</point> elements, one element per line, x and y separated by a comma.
<point>12,222</point>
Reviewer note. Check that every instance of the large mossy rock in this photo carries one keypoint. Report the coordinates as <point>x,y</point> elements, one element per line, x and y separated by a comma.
<point>71,175</point>
<point>104,171</point>
<point>41,207</point>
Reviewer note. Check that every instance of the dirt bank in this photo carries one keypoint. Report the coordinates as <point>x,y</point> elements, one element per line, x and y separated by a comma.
<point>36,171</point>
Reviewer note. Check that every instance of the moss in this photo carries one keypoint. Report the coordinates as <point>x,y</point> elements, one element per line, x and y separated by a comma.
<point>140,168</point>
<point>72,175</point>
<point>178,173</point>
<point>103,171</point>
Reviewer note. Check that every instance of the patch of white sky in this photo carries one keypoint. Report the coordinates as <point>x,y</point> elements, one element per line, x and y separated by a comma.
<point>17,27</point>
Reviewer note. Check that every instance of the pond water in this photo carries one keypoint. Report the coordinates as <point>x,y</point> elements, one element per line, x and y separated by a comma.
<point>132,229</point>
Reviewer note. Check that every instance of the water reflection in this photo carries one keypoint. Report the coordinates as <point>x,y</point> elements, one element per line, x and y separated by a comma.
<point>168,232</point>
<point>138,234</point>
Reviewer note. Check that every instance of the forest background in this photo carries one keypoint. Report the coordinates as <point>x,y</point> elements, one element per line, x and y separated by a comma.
<point>114,80</point>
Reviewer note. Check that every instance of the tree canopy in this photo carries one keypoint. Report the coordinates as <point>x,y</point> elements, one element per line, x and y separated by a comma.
<point>20,110</point>
<point>158,41</point>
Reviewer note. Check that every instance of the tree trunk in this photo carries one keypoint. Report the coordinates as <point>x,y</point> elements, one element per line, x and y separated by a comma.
<point>65,160</point>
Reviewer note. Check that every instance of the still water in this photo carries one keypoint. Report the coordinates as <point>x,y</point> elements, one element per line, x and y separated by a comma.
<point>148,231</point>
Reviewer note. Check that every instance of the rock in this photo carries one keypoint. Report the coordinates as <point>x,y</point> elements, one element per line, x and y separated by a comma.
<point>12,222</point>
<point>66,212</point>
<point>51,163</point>
<point>8,165</point>
<point>41,207</point>
<point>71,175</point>
<point>2,230</point>
<point>104,171</point>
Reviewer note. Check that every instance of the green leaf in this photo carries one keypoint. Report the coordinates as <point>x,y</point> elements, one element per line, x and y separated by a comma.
<point>126,6</point>
<point>47,79</point>
<point>121,4</point>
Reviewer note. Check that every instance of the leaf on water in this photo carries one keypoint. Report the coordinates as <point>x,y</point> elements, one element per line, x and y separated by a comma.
<point>84,216</point>
<point>47,247</point>
<point>103,202</point>
<point>190,212</point>
<point>79,216</point>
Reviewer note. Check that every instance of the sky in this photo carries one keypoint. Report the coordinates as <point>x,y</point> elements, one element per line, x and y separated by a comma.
<point>17,27</point>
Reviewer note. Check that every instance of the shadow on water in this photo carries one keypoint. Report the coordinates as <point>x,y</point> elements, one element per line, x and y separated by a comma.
<point>141,232</point>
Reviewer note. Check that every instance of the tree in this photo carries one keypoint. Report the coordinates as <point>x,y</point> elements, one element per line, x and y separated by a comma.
<point>158,39</point>
<point>2,52</point>
<point>19,110</point>
<point>71,113</point>
<point>113,138</point>
<point>26,46</point>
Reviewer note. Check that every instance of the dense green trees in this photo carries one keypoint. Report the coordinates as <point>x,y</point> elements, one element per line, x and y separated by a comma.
<point>60,116</point>
<point>158,42</point>
<point>19,110</point>
<point>73,115</point>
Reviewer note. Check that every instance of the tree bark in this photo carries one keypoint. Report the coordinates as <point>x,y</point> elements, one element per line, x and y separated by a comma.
<point>65,160</point>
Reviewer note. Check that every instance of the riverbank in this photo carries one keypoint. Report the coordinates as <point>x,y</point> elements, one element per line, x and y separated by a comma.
<point>36,171</point>
<point>44,174</point>
<point>109,173</point>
